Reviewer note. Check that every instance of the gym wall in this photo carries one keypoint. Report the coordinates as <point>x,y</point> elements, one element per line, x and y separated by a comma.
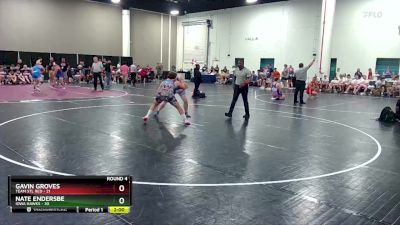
<point>66,26</point>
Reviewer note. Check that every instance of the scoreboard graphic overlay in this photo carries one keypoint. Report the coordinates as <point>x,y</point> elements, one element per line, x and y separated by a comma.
<point>75,194</point>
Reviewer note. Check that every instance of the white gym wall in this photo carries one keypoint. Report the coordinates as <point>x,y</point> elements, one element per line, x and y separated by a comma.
<point>290,33</point>
<point>363,31</point>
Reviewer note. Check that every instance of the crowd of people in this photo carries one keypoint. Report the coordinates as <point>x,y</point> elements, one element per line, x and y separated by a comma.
<point>386,84</point>
<point>62,73</point>
<point>15,74</point>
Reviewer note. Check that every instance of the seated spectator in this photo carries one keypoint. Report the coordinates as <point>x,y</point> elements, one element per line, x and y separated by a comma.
<point>388,73</point>
<point>353,85</point>
<point>396,86</point>
<point>389,87</point>
<point>80,73</point>
<point>216,69</point>
<point>3,75</point>
<point>269,75</point>
<point>26,73</point>
<point>325,84</point>
<point>313,87</point>
<point>254,79</point>
<point>143,74</point>
<point>204,69</point>
<point>361,87</point>
<point>12,78</point>
<point>380,87</point>
<point>224,76</point>
<point>261,80</point>
<point>212,70</point>
<point>334,86</point>
<point>20,77</point>
<point>150,72</point>
<point>346,82</point>
<point>277,90</point>
<point>225,70</point>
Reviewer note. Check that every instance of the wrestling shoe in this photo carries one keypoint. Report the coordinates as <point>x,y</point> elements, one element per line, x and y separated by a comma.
<point>186,122</point>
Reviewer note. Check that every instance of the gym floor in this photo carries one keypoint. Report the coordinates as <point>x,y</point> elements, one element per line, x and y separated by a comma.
<point>327,162</point>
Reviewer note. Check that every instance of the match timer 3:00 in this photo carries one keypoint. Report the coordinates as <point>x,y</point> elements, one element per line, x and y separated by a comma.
<point>77,194</point>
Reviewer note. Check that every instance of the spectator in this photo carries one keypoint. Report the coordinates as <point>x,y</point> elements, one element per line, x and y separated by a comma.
<point>64,67</point>
<point>285,75</point>
<point>276,74</point>
<point>212,70</point>
<point>124,72</point>
<point>358,74</point>
<point>173,68</point>
<point>370,74</point>
<point>143,74</point>
<point>292,77</point>
<point>254,78</point>
<point>396,86</point>
<point>313,87</point>
<point>133,73</point>
<point>12,78</point>
<point>3,76</point>
<point>49,70</point>
<point>107,69</point>
<point>204,69</point>
<point>388,72</point>
<point>19,64</point>
<point>325,83</point>
<point>224,76</point>
<point>159,71</point>
<point>380,86</point>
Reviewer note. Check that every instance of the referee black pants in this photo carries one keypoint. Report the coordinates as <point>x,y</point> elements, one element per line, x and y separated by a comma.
<point>97,76</point>
<point>300,87</point>
<point>237,91</point>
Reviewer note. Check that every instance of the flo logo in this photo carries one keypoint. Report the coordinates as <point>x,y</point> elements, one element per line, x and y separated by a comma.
<point>373,14</point>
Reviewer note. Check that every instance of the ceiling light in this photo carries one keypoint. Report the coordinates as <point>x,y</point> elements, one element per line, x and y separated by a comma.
<point>174,12</point>
<point>115,1</point>
<point>251,1</point>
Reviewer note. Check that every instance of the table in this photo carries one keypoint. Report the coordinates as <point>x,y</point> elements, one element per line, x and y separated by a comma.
<point>208,78</point>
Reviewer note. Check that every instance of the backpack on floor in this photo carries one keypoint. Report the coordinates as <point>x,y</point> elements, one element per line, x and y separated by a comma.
<point>387,115</point>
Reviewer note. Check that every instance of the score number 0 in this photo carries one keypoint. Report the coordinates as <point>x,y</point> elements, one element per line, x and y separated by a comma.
<point>121,200</point>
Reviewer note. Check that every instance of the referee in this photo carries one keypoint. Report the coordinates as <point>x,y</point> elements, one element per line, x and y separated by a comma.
<point>301,78</point>
<point>242,80</point>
